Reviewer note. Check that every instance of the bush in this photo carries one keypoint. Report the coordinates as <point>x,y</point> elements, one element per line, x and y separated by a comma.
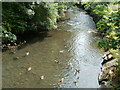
<point>21,17</point>
<point>109,26</point>
<point>15,16</point>
<point>46,15</point>
<point>101,10</point>
<point>96,9</point>
<point>7,37</point>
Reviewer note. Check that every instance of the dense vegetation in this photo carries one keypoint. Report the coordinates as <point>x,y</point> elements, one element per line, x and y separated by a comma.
<point>14,20</point>
<point>108,25</point>
<point>18,18</point>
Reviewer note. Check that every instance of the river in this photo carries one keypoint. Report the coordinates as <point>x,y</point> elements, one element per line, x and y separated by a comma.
<point>67,57</point>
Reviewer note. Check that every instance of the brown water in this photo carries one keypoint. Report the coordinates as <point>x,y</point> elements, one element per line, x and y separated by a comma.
<point>72,46</point>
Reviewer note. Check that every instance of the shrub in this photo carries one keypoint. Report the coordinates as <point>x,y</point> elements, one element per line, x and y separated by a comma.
<point>7,37</point>
<point>96,9</point>
<point>109,25</point>
<point>46,15</point>
<point>21,17</point>
<point>14,16</point>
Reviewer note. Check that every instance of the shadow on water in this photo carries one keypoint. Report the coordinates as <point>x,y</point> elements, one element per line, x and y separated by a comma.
<point>32,37</point>
<point>29,37</point>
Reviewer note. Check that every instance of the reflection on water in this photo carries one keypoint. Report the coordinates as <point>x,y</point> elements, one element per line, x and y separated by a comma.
<point>68,58</point>
<point>86,57</point>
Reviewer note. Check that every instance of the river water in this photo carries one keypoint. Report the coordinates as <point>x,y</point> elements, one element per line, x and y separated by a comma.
<point>67,57</point>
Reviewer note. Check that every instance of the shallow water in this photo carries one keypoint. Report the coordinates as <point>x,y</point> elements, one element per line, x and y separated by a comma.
<point>72,46</point>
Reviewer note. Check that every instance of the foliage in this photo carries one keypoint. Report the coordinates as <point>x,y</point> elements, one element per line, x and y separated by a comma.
<point>109,25</point>
<point>7,37</point>
<point>91,5</point>
<point>101,10</point>
<point>14,16</point>
<point>46,15</point>
<point>65,5</point>
<point>20,17</point>
<point>96,9</point>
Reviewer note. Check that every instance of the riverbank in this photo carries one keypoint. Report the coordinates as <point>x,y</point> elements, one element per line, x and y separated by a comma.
<point>110,57</point>
<point>108,71</point>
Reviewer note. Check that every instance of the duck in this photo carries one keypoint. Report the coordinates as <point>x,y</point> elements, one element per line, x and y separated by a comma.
<point>42,77</point>
<point>77,70</point>
<point>75,82</point>
<point>56,61</point>
<point>17,58</point>
<point>70,64</point>
<point>29,69</point>
<point>61,51</point>
<point>27,53</point>
<point>62,79</point>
